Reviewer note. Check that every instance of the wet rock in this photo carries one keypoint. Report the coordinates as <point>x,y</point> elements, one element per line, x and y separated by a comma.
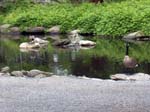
<point>17,73</point>
<point>5,69</point>
<point>36,30</point>
<point>35,72</point>
<point>54,30</point>
<point>15,30</point>
<point>135,77</point>
<point>61,42</point>
<point>4,28</point>
<point>26,45</point>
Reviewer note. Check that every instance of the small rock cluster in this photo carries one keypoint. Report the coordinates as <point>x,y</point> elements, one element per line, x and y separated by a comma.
<point>132,77</point>
<point>8,29</point>
<point>32,73</point>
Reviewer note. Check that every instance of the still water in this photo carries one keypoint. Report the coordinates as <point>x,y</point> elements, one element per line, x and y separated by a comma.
<point>105,59</point>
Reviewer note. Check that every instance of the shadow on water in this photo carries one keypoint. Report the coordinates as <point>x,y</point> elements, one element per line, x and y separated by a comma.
<point>99,62</point>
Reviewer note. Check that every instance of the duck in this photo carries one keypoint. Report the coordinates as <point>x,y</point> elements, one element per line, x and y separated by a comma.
<point>129,62</point>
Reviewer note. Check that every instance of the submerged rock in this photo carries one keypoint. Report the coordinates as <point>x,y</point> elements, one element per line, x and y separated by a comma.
<point>135,77</point>
<point>15,30</point>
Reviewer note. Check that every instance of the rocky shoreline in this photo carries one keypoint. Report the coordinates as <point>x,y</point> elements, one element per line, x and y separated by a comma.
<point>9,29</point>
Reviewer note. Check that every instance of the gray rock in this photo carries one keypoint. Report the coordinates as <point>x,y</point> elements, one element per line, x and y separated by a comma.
<point>135,77</point>
<point>40,76</point>
<point>134,35</point>
<point>36,30</point>
<point>4,28</point>
<point>5,69</point>
<point>15,30</point>
<point>54,30</point>
<point>35,72</point>
<point>4,74</point>
<point>17,73</point>
<point>62,42</point>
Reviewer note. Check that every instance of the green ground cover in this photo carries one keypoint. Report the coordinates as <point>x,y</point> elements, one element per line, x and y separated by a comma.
<point>116,18</point>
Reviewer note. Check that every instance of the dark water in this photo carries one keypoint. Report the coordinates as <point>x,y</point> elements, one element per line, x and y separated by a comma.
<point>101,61</point>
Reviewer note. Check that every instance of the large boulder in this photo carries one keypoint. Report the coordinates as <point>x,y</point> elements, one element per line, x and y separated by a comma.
<point>54,30</point>
<point>135,77</point>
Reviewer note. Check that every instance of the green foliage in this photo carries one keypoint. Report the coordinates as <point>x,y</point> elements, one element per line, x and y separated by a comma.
<point>116,18</point>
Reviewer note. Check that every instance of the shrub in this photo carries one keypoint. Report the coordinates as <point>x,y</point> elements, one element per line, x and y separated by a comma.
<point>116,18</point>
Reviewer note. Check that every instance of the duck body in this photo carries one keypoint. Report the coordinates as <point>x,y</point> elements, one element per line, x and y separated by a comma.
<point>129,62</point>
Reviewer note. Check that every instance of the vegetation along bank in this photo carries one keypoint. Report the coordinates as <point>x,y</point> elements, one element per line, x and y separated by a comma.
<point>113,18</point>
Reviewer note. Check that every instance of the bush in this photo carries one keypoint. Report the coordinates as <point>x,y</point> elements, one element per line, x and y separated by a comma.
<point>116,18</point>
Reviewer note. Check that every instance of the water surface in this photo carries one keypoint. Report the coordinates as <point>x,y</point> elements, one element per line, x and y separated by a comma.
<point>101,61</point>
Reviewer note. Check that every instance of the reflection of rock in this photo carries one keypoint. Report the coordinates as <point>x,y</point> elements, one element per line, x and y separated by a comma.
<point>139,35</point>
<point>54,30</point>
<point>136,77</point>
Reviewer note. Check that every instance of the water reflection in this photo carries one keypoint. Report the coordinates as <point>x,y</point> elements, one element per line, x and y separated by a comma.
<point>100,62</point>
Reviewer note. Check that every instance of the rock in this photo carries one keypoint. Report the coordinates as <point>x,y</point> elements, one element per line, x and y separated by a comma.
<point>15,30</point>
<point>26,45</point>
<point>54,30</point>
<point>40,41</point>
<point>40,76</point>
<point>61,42</point>
<point>36,30</point>
<point>86,43</point>
<point>17,73</point>
<point>35,72</point>
<point>134,35</point>
<point>5,69</point>
<point>4,28</point>
<point>135,77</point>
<point>5,74</point>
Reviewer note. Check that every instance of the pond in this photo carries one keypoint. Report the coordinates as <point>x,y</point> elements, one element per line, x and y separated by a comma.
<point>105,59</point>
